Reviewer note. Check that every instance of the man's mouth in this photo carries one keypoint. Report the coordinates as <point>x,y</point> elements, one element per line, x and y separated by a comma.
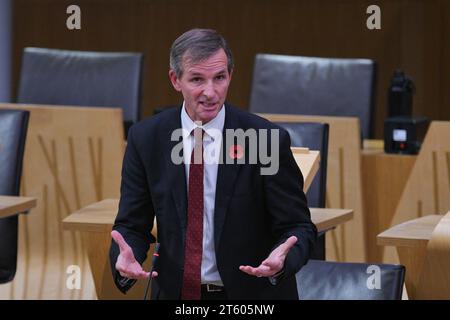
<point>208,105</point>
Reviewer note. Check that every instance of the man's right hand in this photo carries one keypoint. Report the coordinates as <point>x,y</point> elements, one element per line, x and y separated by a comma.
<point>126,264</point>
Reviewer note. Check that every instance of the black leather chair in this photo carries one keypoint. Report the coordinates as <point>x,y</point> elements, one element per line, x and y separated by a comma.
<point>13,130</point>
<point>326,280</point>
<point>82,78</point>
<point>315,86</point>
<point>315,137</point>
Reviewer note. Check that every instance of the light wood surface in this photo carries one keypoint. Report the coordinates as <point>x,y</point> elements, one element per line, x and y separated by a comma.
<point>308,161</point>
<point>73,157</point>
<point>435,277</point>
<point>384,177</point>
<point>100,216</point>
<point>413,233</point>
<point>10,205</point>
<point>373,144</point>
<point>97,217</point>
<point>427,190</point>
<point>344,184</point>
<point>326,218</point>
<point>423,247</point>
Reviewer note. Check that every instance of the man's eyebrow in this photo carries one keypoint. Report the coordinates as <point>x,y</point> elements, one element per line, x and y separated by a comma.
<point>196,74</point>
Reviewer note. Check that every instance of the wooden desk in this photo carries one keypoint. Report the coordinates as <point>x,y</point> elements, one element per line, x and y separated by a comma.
<point>423,247</point>
<point>97,217</point>
<point>95,224</point>
<point>326,219</point>
<point>384,177</point>
<point>10,205</point>
<point>413,233</point>
<point>100,216</point>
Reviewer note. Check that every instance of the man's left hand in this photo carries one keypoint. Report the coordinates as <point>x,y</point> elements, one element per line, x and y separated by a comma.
<point>274,262</point>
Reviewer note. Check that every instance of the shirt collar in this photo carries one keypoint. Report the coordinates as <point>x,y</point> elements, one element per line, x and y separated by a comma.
<point>212,127</point>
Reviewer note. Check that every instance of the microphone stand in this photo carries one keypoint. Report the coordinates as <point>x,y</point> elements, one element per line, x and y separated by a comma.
<point>150,278</point>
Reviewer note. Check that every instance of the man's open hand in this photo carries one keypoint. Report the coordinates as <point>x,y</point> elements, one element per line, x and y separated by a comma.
<point>274,262</point>
<point>126,264</point>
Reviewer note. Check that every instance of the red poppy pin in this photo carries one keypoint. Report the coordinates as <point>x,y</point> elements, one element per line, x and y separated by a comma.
<point>236,152</point>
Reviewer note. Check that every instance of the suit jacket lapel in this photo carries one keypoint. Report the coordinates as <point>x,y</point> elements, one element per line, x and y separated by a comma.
<point>226,176</point>
<point>176,175</point>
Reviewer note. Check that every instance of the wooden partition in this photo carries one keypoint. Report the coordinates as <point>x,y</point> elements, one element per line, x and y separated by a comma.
<point>423,246</point>
<point>384,178</point>
<point>73,157</point>
<point>347,242</point>
<point>308,161</point>
<point>428,188</point>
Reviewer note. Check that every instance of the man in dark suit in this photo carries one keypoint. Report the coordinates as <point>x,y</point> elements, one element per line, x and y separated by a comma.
<point>231,228</point>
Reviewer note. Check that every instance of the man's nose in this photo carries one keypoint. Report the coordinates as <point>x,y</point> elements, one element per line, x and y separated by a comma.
<point>209,89</point>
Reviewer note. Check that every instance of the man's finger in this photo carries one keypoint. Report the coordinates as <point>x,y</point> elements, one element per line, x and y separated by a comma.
<point>135,275</point>
<point>261,271</point>
<point>143,275</point>
<point>288,244</point>
<point>117,237</point>
<point>154,274</point>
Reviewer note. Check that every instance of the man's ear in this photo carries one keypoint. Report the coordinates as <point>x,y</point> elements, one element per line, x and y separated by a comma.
<point>174,80</point>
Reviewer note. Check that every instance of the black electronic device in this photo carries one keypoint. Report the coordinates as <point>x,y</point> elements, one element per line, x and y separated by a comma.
<point>400,95</point>
<point>404,135</point>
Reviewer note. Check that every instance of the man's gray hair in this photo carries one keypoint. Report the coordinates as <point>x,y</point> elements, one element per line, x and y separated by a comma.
<point>198,45</point>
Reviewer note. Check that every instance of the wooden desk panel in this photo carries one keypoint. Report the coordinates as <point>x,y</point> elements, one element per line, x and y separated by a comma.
<point>13,205</point>
<point>384,177</point>
<point>427,190</point>
<point>99,217</point>
<point>423,247</point>
<point>73,157</point>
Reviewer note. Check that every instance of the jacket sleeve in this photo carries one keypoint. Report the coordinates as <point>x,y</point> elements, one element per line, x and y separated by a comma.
<point>135,218</point>
<point>286,202</point>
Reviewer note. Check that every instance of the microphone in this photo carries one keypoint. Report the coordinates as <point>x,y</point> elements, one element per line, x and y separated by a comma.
<point>154,261</point>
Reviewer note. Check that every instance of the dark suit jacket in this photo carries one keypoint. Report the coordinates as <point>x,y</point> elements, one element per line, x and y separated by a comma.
<point>254,213</point>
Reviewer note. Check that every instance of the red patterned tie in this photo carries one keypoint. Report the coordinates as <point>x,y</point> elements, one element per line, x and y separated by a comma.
<point>194,235</point>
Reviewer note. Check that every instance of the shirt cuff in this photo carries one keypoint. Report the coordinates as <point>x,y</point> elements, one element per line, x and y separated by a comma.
<point>275,279</point>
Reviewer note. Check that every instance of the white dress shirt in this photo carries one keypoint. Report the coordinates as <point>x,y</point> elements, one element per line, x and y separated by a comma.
<point>212,141</point>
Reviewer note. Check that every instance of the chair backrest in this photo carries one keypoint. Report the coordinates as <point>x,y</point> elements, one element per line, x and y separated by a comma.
<point>327,280</point>
<point>13,130</point>
<point>315,86</point>
<point>82,78</point>
<point>312,135</point>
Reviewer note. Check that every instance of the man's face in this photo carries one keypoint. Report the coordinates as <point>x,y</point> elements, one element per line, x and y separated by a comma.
<point>204,85</point>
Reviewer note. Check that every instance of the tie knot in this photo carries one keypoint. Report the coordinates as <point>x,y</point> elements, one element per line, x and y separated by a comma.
<point>198,133</point>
